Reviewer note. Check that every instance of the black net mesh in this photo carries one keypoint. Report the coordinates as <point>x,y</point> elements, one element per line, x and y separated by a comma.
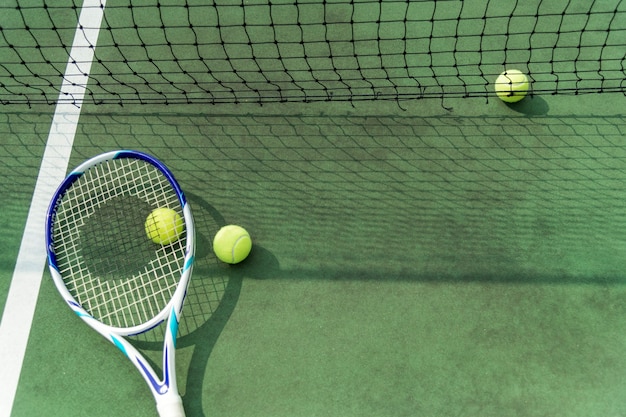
<point>231,51</point>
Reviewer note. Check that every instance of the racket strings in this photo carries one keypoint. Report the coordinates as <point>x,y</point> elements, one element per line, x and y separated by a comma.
<point>105,258</point>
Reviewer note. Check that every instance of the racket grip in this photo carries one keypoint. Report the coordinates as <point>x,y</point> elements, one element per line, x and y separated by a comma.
<point>171,406</point>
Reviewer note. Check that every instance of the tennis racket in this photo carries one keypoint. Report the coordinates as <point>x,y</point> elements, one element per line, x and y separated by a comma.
<point>108,270</point>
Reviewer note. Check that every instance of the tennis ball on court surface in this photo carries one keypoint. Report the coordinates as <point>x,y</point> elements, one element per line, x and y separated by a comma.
<point>164,226</point>
<point>512,86</point>
<point>232,244</point>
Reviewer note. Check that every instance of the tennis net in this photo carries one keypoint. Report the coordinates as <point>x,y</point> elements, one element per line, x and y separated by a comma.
<point>262,51</point>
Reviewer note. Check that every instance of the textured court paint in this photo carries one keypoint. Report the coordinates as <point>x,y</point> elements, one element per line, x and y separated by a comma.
<point>22,297</point>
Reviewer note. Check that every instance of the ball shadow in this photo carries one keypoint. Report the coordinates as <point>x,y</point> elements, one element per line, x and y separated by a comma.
<point>530,106</point>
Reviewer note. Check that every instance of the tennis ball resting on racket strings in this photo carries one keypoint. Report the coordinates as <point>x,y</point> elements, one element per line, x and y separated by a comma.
<point>232,244</point>
<point>164,226</point>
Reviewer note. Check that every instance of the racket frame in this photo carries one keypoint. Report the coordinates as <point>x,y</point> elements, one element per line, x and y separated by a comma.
<point>165,388</point>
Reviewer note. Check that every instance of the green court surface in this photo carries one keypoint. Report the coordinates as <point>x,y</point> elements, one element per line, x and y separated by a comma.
<point>409,259</point>
<point>445,265</point>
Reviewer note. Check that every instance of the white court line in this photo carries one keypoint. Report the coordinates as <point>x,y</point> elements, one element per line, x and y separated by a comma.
<point>21,301</point>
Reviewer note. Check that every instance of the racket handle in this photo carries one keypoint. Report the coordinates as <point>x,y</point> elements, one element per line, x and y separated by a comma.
<point>171,407</point>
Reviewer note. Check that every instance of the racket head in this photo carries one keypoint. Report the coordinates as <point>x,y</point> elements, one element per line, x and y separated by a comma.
<point>100,257</point>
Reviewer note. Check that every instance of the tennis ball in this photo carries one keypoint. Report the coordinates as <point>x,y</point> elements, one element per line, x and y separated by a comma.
<point>512,86</point>
<point>164,226</point>
<point>232,244</point>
